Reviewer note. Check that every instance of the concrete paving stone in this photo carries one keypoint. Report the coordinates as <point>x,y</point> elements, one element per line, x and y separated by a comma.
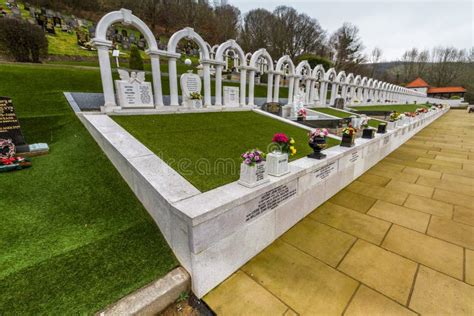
<point>390,166</point>
<point>360,225</point>
<point>408,163</point>
<point>290,312</point>
<point>239,291</point>
<point>410,188</point>
<point>369,302</point>
<point>381,270</point>
<point>409,156</point>
<point>387,194</point>
<point>422,146</point>
<point>458,179</point>
<point>454,159</point>
<point>449,164</point>
<point>319,240</point>
<point>438,294</point>
<point>434,253</point>
<point>453,171</point>
<point>448,230</point>
<point>305,284</point>
<point>468,167</point>
<point>463,215</point>
<point>444,145</point>
<point>470,266</point>
<point>400,176</point>
<point>423,172</point>
<point>354,201</point>
<point>444,153</point>
<point>400,215</point>
<point>446,185</point>
<point>453,198</point>
<point>374,179</point>
<point>413,151</point>
<point>430,206</point>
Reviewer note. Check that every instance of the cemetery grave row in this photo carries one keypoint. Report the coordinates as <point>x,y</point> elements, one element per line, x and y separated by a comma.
<point>214,232</point>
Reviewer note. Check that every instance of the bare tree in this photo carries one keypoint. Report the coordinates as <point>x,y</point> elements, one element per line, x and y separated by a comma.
<point>374,59</point>
<point>347,48</point>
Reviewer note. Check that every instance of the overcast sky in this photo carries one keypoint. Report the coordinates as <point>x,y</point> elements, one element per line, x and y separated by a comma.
<point>394,26</point>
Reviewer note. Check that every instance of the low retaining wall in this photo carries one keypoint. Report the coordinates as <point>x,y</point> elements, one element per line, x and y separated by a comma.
<point>216,232</point>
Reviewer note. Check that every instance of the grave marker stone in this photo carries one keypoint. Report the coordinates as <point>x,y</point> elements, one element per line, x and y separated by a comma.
<point>273,108</point>
<point>231,96</point>
<point>133,91</point>
<point>9,124</point>
<point>190,83</point>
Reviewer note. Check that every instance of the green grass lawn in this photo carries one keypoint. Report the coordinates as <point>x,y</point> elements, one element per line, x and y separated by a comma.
<point>195,144</point>
<point>343,114</point>
<point>73,237</point>
<point>394,107</point>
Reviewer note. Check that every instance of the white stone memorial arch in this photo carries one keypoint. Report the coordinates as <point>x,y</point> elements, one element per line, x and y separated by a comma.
<point>219,57</point>
<point>303,74</point>
<point>317,91</point>
<point>261,53</point>
<point>189,34</point>
<point>284,65</point>
<point>103,45</point>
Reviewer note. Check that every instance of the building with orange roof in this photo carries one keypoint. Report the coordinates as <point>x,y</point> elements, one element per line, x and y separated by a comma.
<point>436,92</point>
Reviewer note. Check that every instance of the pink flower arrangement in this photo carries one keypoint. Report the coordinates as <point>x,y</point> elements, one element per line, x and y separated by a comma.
<point>319,132</point>
<point>302,113</point>
<point>280,138</point>
<point>253,157</point>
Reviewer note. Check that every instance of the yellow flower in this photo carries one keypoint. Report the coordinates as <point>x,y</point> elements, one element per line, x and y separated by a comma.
<point>292,148</point>
<point>292,141</point>
<point>293,151</point>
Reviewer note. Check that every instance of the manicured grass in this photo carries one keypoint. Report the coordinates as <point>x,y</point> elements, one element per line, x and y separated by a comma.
<point>73,237</point>
<point>394,107</point>
<point>197,145</point>
<point>342,114</point>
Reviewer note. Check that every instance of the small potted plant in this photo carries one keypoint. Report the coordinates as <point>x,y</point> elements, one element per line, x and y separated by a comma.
<point>252,168</point>
<point>348,136</point>
<point>281,147</point>
<point>317,141</point>
<point>367,132</point>
<point>196,99</point>
<point>394,117</point>
<point>301,115</point>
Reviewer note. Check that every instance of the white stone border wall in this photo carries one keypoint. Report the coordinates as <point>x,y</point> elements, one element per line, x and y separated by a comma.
<point>216,232</point>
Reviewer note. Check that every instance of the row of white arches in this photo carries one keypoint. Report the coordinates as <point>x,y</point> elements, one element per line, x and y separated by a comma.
<point>315,82</point>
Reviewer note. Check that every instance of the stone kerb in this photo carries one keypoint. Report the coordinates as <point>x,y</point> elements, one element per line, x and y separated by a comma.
<point>216,232</point>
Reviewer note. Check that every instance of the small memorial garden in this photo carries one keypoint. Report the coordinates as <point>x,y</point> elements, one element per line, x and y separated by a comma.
<point>390,108</point>
<point>343,114</point>
<point>205,139</point>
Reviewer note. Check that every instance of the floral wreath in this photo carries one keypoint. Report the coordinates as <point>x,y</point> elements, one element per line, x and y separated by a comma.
<point>7,148</point>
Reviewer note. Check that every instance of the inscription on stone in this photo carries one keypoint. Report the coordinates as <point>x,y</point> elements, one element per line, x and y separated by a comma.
<point>325,171</point>
<point>354,156</point>
<point>9,124</point>
<point>272,199</point>
<point>192,83</point>
<point>386,140</point>
<point>260,172</point>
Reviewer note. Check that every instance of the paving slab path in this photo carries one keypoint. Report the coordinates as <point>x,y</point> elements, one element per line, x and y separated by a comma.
<point>399,240</point>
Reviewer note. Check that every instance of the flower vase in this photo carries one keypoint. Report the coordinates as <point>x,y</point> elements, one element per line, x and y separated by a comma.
<point>253,175</point>
<point>382,128</point>
<point>347,140</point>
<point>368,133</point>
<point>300,118</point>
<point>277,164</point>
<point>318,144</point>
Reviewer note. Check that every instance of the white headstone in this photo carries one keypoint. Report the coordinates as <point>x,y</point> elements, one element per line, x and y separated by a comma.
<point>231,96</point>
<point>133,91</point>
<point>190,83</point>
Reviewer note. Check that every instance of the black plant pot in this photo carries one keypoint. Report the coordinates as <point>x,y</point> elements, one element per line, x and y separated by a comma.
<point>318,144</point>
<point>382,128</point>
<point>347,140</point>
<point>300,118</point>
<point>368,133</point>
